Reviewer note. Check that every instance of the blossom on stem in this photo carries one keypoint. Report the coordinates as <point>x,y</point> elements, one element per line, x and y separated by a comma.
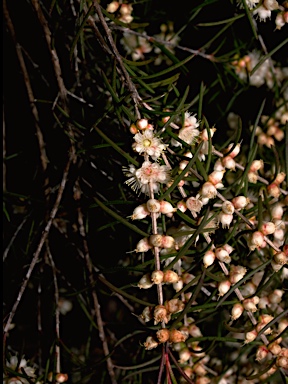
<point>148,143</point>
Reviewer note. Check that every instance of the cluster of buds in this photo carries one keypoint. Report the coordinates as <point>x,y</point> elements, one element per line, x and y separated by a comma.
<point>158,277</point>
<point>123,10</point>
<point>155,206</point>
<point>228,161</point>
<point>256,166</point>
<point>273,189</point>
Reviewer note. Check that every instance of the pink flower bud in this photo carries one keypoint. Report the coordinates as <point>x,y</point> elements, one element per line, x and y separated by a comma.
<point>277,211</point>
<point>237,311</point>
<point>273,190</point>
<point>156,240</point>
<point>61,377</point>
<point>142,124</point>
<point>229,163</point>
<point>208,190</point>
<point>181,205</point>
<point>237,272</point>
<point>240,202</point>
<point>262,352</point>
<point>228,207</point>
<point>280,178</point>
<point>276,296</point>
<point>178,285</point>
<point>157,277</point>
<point>140,212</point>
<point>222,255</point>
<point>133,129</point>
<point>199,369</point>
<point>143,245</point>
<point>256,165</point>
<point>218,166</point>
<point>163,335</point>
<point>235,151</point>
<point>170,277</point>
<point>249,305</point>
<point>145,282</point>
<point>215,177</point>
<point>203,380</point>
<point>223,287</point>
<point>228,248</point>
<point>153,205</point>
<point>267,228</point>
<point>208,258</point>
<point>250,336</point>
<point>166,207</point>
<point>184,355</point>
<point>176,336</point>
<point>257,239</point>
<point>252,177</point>
<point>183,164</point>
<point>113,6</point>
<point>274,348</point>
<point>168,242</point>
<point>263,321</point>
<point>194,331</point>
<point>282,359</point>
<point>204,134</point>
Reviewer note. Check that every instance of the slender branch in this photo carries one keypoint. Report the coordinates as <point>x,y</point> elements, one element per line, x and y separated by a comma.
<point>57,310</point>
<point>99,320</point>
<point>131,86</point>
<point>43,238</point>
<point>34,110</point>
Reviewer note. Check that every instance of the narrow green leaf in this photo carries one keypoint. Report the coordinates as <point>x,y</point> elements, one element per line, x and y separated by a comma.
<point>120,218</point>
<point>170,69</point>
<point>123,293</point>
<point>116,147</point>
<point>264,58</point>
<point>250,18</point>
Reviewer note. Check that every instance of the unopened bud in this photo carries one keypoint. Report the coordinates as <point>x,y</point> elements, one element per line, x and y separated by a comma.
<point>228,207</point>
<point>170,277</point>
<point>256,165</point>
<point>61,377</point>
<point>267,228</point>
<point>142,124</point>
<point>166,207</point>
<point>153,205</point>
<point>143,245</point>
<point>177,336</point>
<point>262,352</point>
<point>282,359</point>
<point>163,335</point>
<point>157,277</point>
<point>224,287</point>
<point>215,177</point>
<point>145,282</point>
<point>208,190</point>
<point>237,311</point>
<point>229,163</point>
<point>250,336</point>
<point>208,258</point>
<point>274,348</point>
<point>240,202</point>
<point>222,255</point>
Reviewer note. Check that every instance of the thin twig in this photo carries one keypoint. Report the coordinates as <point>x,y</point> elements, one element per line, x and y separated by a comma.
<point>57,309</point>
<point>99,320</point>
<point>44,236</point>
<point>131,86</point>
<point>34,110</point>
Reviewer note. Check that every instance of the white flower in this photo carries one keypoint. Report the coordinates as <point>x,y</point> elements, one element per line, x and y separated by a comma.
<point>136,46</point>
<point>189,131</point>
<point>148,173</point>
<point>148,143</point>
<point>13,364</point>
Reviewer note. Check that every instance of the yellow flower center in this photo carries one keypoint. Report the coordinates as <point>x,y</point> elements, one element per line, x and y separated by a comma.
<point>146,143</point>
